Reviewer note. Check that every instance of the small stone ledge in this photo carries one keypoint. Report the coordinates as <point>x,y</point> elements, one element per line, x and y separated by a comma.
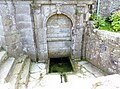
<point>107,34</point>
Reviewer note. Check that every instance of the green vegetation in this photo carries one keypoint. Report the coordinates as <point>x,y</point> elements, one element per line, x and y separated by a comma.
<point>76,11</point>
<point>111,23</point>
<point>101,22</point>
<point>60,65</point>
<point>115,18</point>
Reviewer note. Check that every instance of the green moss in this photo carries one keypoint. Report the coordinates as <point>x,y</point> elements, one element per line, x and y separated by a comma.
<point>60,66</point>
<point>76,11</point>
<point>35,7</point>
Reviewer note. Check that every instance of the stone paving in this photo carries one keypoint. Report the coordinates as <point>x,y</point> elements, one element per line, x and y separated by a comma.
<point>87,77</point>
<point>40,79</point>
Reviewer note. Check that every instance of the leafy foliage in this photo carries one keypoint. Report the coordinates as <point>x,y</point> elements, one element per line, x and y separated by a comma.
<point>93,17</point>
<point>111,23</point>
<point>101,22</point>
<point>115,18</point>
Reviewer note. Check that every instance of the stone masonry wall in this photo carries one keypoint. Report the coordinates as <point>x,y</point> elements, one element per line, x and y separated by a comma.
<point>107,6</point>
<point>103,50</point>
<point>43,10</point>
<point>25,26</point>
<point>16,28</point>
<point>11,33</point>
<point>2,38</point>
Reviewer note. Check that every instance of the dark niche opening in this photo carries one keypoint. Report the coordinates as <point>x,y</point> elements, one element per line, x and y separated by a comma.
<point>60,65</point>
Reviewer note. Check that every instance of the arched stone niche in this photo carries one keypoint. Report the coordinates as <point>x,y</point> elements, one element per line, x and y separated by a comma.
<point>59,36</point>
<point>48,42</point>
<point>42,18</point>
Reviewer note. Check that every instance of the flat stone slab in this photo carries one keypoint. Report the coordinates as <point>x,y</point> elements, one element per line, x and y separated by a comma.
<point>87,69</point>
<point>39,78</point>
<point>25,72</point>
<point>24,75</point>
<point>105,82</point>
<point>93,70</point>
<point>17,72</point>
<point>5,69</point>
<point>37,67</point>
<point>47,80</point>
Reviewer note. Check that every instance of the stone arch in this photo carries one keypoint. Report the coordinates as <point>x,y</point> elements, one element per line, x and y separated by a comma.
<point>62,13</point>
<point>59,35</point>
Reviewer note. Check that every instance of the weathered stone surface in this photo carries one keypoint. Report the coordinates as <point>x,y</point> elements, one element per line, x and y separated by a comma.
<point>39,78</point>
<point>24,75</point>
<point>2,37</point>
<point>107,82</point>
<point>103,50</point>
<point>6,69</point>
<point>9,25</point>
<point>24,25</point>
<point>17,72</point>
<point>57,26</point>
<point>112,4</point>
<point>106,7</point>
<point>31,26</point>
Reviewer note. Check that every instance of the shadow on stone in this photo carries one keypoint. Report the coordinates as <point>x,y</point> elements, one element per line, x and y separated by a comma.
<point>60,65</point>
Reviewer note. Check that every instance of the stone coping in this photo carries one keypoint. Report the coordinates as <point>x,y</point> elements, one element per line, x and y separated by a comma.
<point>107,34</point>
<point>51,2</point>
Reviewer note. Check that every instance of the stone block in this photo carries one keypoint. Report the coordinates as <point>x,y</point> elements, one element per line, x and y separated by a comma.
<point>42,47</point>
<point>1,21</point>
<point>23,9</point>
<point>23,18</point>
<point>15,49</point>
<point>25,73</point>
<point>59,48</point>
<point>42,56</point>
<point>2,41</point>
<point>59,44</point>
<point>30,50</point>
<point>7,21</point>
<point>5,69</point>
<point>24,25</point>
<point>14,38</point>
<point>1,31</point>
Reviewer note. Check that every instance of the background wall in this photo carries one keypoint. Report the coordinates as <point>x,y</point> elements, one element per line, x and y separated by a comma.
<point>16,28</point>
<point>103,49</point>
<point>23,26</point>
<point>107,6</point>
<point>2,38</point>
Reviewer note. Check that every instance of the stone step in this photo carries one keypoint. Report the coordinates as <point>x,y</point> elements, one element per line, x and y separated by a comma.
<point>17,71</point>
<point>3,56</point>
<point>6,68</point>
<point>24,75</point>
